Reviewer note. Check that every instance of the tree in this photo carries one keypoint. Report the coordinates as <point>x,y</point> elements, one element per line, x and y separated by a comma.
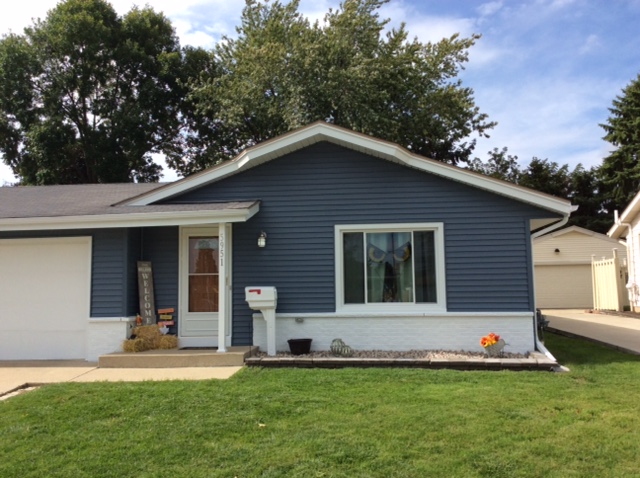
<point>583,187</point>
<point>587,194</point>
<point>621,169</point>
<point>281,72</point>
<point>87,96</point>
<point>547,177</point>
<point>500,165</point>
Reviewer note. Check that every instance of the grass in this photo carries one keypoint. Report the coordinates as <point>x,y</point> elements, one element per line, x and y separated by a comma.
<point>338,423</point>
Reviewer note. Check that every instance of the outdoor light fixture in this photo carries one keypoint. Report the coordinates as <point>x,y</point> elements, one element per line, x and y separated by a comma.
<point>262,239</point>
<point>557,251</point>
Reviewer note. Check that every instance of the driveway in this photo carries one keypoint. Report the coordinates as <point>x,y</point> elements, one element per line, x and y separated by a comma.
<point>19,373</point>
<point>621,332</point>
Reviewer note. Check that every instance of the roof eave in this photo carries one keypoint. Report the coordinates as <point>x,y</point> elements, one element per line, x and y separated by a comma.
<point>628,215</point>
<point>134,219</point>
<point>321,131</point>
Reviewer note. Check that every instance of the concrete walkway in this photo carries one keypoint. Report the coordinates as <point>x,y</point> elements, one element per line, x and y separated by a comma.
<point>619,332</point>
<point>17,374</point>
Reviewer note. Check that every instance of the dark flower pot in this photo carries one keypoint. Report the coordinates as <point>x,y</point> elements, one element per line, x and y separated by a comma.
<point>300,346</point>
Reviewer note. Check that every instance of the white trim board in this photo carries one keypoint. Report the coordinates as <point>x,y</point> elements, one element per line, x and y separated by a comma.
<point>137,219</point>
<point>441,283</point>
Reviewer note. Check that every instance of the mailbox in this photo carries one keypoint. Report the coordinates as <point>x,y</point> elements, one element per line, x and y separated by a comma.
<point>260,298</point>
<point>265,299</point>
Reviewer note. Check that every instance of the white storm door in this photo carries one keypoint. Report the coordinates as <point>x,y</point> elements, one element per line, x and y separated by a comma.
<point>199,283</point>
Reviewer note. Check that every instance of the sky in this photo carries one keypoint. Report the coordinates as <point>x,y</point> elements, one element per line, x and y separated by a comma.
<point>546,71</point>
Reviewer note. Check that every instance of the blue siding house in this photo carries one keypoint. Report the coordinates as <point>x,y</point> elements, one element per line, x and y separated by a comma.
<point>365,241</point>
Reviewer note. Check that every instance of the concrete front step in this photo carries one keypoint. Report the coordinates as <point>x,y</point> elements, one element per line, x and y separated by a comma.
<point>234,356</point>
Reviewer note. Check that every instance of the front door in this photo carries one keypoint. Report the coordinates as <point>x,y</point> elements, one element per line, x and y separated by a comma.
<point>199,295</point>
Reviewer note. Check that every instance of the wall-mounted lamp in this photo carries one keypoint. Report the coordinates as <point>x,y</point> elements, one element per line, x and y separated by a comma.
<point>262,239</point>
<point>557,251</point>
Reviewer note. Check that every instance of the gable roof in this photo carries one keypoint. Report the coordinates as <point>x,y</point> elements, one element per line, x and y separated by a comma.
<point>92,205</point>
<point>628,215</point>
<point>575,229</point>
<point>321,131</point>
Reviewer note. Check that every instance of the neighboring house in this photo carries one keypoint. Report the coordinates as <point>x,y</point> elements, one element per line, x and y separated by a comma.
<point>627,226</point>
<point>365,241</point>
<point>562,264</point>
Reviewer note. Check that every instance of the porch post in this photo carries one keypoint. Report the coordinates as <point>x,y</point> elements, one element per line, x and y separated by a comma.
<point>223,303</point>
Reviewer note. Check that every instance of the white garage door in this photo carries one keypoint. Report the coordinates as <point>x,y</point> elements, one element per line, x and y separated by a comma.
<point>44,298</point>
<point>564,286</point>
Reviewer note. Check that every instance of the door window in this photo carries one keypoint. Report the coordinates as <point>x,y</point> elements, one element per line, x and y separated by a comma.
<point>203,274</point>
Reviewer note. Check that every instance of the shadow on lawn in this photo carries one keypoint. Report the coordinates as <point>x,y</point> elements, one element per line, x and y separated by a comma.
<point>582,352</point>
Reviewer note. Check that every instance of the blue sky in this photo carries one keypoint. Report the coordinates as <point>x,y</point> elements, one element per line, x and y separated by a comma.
<point>545,70</point>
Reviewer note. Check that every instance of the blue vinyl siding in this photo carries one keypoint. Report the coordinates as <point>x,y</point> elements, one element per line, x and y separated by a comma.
<point>306,193</point>
<point>109,276</point>
<point>160,245</point>
<point>134,251</point>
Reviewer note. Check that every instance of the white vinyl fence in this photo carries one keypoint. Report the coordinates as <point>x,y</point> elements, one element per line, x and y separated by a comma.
<point>609,277</point>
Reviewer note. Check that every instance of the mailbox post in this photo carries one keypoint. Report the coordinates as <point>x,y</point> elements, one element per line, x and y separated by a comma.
<point>265,299</point>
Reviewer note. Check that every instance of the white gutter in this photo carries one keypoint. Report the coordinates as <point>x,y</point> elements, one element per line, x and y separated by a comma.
<point>555,225</point>
<point>539,346</point>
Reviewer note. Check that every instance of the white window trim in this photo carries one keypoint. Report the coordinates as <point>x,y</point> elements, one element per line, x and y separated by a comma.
<point>392,307</point>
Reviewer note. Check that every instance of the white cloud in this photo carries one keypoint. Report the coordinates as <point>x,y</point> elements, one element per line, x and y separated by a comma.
<point>488,9</point>
<point>549,118</point>
<point>559,4</point>
<point>591,43</point>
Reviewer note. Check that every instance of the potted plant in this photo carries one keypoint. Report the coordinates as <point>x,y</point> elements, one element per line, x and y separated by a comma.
<point>493,345</point>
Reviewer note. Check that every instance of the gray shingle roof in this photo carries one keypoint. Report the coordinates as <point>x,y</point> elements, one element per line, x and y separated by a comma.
<point>90,200</point>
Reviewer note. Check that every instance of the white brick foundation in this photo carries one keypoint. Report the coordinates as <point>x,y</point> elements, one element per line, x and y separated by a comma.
<point>449,331</point>
<point>105,335</point>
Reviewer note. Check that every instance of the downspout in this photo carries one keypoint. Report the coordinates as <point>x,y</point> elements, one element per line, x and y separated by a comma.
<point>631,283</point>
<point>539,345</point>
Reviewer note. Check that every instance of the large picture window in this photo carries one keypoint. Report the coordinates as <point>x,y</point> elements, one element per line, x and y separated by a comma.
<point>390,264</point>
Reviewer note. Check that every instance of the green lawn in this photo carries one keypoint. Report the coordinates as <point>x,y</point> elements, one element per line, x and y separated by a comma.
<point>338,423</point>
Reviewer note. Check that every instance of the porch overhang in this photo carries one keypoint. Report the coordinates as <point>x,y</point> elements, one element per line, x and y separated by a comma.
<point>140,216</point>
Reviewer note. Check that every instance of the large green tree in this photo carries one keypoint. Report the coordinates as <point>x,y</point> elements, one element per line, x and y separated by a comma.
<point>87,96</point>
<point>282,72</point>
<point>499,165</point>
<point>621,169</point>
<point>583,187</point>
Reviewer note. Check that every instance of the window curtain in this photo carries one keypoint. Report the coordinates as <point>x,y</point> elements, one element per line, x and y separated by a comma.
<point>389,267</point>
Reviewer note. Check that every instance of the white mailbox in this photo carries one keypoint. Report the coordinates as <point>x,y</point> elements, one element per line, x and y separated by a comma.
<point>260,298</point>
<point>265,299</point>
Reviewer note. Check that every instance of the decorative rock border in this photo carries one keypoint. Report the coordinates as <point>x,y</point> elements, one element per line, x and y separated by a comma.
<point>535,361</point>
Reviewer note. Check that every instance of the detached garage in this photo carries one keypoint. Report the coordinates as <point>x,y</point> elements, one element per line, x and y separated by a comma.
<point>562,264</point>
<point>45,300</point>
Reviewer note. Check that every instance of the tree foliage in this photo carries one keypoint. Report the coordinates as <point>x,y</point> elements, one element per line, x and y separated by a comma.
<point>621,169</point>
<point>282,72</point>
<point>87,96</point>
<point>583,187</point>
<point>500,165</point>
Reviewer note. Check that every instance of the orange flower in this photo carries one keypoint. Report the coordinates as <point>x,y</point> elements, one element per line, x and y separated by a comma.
<point>489,340</point>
